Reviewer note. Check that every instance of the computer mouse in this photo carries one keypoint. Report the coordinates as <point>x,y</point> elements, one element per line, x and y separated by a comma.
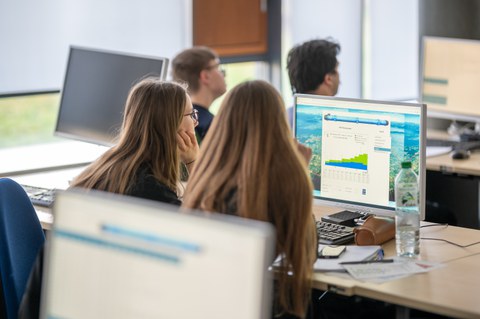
<point>460,154</point>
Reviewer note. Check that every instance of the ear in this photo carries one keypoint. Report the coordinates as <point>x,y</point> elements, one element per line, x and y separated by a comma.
<point>328,80</point>
<point>204,76</point>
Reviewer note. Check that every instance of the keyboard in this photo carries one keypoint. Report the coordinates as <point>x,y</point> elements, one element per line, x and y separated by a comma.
<point>442,143</point>
<point>40,196</point>
<point>334,234</point>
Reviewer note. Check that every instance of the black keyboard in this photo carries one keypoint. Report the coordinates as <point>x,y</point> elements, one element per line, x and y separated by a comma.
<point>441,143</point>
<point>40,196</point>
<point>334,234</point>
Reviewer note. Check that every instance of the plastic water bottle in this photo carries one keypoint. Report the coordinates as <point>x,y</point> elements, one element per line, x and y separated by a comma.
<point>407,215</point>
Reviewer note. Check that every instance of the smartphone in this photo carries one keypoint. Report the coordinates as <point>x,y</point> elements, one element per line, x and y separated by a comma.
<point>332,251</point>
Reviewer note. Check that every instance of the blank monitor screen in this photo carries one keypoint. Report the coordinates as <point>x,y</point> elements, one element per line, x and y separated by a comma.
<point>121,257</point>
<point>451,78</point>
<point>358,147</point>
<point>95,90</point>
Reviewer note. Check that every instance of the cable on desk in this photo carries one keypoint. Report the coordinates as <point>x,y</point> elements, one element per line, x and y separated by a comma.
<point>454,259</point>
<point>434,225</point>
<point>323,294</point>
<point>450,242</point>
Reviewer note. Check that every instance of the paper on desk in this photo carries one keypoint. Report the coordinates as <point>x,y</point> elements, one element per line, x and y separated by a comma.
<point>432,151</point>
<point>381,272</point>
<point>352,253</point>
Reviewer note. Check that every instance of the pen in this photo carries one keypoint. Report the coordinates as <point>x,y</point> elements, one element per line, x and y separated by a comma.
<point>366,262</point>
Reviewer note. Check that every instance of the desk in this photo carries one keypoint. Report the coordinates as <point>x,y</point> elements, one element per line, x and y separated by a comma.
<point>450,291</point>
<point>454,185</point>
<point>445,163</point>
<point>58,179</point>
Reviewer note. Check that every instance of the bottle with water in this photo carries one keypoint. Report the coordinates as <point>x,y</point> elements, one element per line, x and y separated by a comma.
<point>407,215</point>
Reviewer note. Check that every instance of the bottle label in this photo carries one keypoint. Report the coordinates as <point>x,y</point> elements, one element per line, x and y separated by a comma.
<point>407,193</point>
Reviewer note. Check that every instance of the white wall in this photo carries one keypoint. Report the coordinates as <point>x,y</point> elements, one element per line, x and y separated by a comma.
<point>380,64</point>
<point>340,19</point>
<point>35,35</point>
<point>394,51</point>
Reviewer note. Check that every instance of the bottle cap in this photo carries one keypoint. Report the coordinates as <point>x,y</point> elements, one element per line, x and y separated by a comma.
<point>406,164</point>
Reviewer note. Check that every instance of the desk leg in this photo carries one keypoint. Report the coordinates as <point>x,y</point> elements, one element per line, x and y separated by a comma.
<point>402,312</point>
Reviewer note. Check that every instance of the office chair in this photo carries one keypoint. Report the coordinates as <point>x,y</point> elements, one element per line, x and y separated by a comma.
<point>21,237</point>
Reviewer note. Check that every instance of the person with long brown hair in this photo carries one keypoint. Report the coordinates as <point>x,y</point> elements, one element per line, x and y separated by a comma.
<point>253,168</point>
<point>158,133</point>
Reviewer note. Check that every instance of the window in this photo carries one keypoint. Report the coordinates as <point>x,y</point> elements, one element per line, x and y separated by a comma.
<point>28,119</point>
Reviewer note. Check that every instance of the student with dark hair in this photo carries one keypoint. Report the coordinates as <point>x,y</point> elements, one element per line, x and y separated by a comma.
<point>253,168</point>
<point>313,68</point>
<point>200,68</point>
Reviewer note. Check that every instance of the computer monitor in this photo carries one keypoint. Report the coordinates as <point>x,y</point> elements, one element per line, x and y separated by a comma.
<point>450,78</point>
<point>112,256</point>
<point>95,90</point>
<point>358,146</point>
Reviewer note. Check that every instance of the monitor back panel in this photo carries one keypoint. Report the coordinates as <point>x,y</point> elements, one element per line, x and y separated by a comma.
<point>109,257</point>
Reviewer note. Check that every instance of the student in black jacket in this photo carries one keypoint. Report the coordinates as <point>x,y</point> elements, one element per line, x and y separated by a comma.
<point>156,138</point>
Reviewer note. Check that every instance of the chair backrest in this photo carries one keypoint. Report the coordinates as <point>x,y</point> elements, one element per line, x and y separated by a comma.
<point>21,237</point>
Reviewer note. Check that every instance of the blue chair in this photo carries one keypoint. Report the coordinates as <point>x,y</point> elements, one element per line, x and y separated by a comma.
<point>21,237</point>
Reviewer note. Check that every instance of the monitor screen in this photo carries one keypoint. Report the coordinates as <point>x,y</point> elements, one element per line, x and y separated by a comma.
<point>95,90</point>
<point>450,78</point>
<point>358,147</point>
<point>111,256</point>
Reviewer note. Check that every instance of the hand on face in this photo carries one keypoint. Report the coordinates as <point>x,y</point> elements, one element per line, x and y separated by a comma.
<point>305,151</point>
<point>187,146</point>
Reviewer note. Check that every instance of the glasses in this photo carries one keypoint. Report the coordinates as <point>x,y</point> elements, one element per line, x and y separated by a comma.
<point>193,115</point>
<point>217,66</point>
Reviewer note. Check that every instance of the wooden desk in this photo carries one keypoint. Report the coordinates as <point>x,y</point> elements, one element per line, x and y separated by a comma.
<point>451,290</point>
<point>445,163</point>
<point>447,181</point>
<point>58,179</point>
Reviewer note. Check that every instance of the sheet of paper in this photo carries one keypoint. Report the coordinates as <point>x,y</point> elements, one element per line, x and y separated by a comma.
<point>432,151</point>
<point>381,272</point>
<point>352,253</point>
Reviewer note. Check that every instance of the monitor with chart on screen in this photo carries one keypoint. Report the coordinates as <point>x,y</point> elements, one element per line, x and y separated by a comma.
<point>111,256</point>
<point>451,78</point>
<point>95,90</point>
<point>358,147</point>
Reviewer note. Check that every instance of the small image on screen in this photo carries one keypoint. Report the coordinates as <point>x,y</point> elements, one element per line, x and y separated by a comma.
<point>358,147</point>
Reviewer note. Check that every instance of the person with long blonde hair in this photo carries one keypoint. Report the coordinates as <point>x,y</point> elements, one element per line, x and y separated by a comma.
<point>157,135</point>
<point>250,166</point>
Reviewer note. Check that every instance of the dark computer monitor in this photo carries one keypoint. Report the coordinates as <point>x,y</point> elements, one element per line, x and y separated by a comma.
<point>358,147</point>
<point>95,89</point>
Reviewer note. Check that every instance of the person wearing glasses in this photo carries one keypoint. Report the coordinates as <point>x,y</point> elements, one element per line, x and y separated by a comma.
<point>157,137</point>
<point>256,170</point>
<point>313,69</point>
<point>200,68</point>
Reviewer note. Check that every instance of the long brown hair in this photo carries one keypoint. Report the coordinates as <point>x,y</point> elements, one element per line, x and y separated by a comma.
<point>249,151</point>
<point>153,113</point>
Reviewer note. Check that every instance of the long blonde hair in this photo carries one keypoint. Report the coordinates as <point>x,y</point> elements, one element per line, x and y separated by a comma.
<point>153,113</point>
<point>249,151</point>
